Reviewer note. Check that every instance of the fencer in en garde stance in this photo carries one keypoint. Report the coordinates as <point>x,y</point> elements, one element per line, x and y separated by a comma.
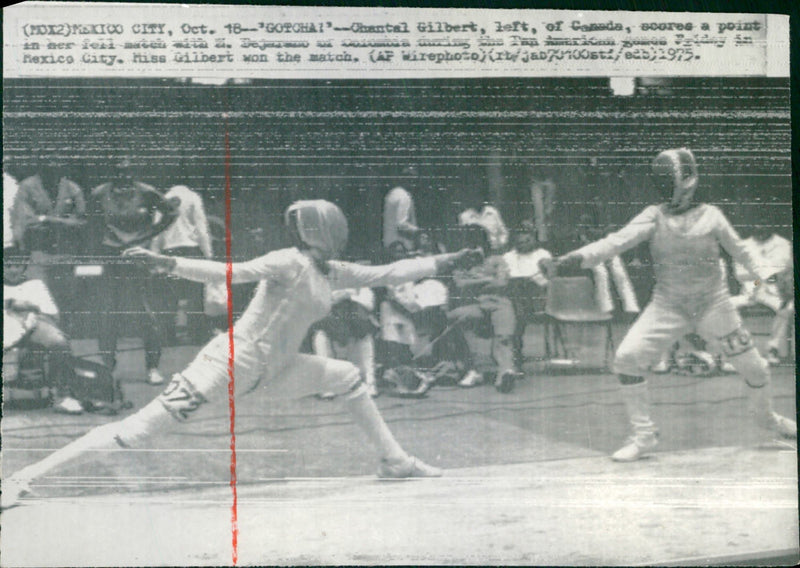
<point>294,291</point>
<point>690,294</point>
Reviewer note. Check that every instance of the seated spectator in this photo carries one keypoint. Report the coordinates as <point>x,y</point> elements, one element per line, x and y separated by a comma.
<point>485,308</point>
<point>415,334</point>
<point>527,280</point>
<point>775,252</point>
<point>441,349</point>
<point>30,303</point>
<point>399,213</point>
<point>347,333</point>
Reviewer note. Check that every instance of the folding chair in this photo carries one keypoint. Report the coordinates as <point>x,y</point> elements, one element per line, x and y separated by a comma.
<point>571,299</point>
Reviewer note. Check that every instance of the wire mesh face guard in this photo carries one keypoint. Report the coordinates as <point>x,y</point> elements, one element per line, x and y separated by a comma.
<point>319,224</point>
<point>676,170</point>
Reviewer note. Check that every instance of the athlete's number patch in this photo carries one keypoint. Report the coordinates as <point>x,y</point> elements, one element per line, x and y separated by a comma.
<point>737,342</point>
<point>180,398</point>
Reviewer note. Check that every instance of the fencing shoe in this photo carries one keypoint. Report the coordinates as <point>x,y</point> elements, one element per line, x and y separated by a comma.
<point>785,427</point>
<point>407,467</point>
<point>13,489</point>
<point>760,408</point>
<point>637,446</point>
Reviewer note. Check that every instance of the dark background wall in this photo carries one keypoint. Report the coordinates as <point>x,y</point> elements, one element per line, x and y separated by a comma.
<point>347,140</point>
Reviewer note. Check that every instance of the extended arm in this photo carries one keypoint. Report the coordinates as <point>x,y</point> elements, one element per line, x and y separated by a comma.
<point>638,230</point>
<point>348,275</point>
<point>267,267</point>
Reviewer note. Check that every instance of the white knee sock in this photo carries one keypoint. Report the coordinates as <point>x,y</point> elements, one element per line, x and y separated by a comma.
<point>637,403</point>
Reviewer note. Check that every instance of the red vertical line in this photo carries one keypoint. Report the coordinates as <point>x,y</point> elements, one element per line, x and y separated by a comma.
<point>231,378</point>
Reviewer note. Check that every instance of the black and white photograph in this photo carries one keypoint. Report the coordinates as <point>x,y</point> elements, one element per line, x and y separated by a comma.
<point>396,286</point>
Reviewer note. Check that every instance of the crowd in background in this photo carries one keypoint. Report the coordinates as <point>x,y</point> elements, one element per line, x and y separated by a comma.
<point>463,330</point>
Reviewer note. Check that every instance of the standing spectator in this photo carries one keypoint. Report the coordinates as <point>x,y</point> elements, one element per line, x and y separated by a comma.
<point>526,259</point>
<point>187,237</point>
<point>130,213</point>
<point>543,195</point>
<point>480,212</point>
<point>30,301</point>
<point>48,221</point>
<point>49,209</point>
<point>399,214</point>
<point>774,252</point>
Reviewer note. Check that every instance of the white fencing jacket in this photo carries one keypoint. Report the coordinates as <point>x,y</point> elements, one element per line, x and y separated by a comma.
<point>685,250</point>
<point>292,294</point>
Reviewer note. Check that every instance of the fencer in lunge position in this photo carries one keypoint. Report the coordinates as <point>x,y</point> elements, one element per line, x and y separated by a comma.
<point>294,291</point>
<point>690,294</point>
